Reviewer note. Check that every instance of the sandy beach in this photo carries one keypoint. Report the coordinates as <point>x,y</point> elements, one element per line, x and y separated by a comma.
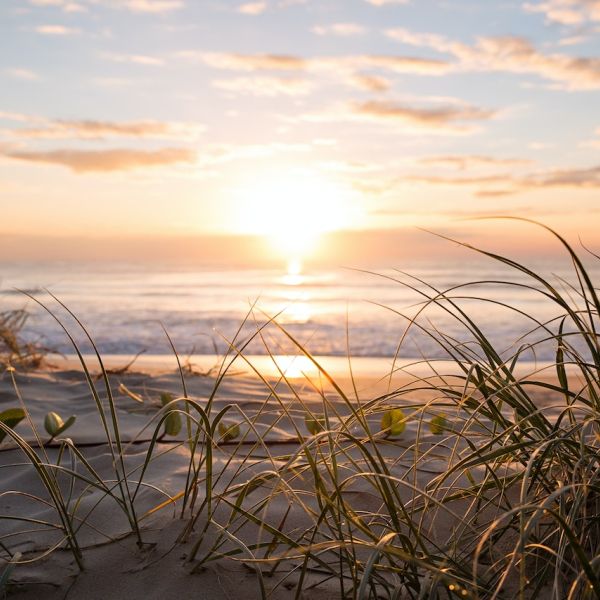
<point>218,556</point>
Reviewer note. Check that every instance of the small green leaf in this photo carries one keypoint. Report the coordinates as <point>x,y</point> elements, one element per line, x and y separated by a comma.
<point>393,422</point>
<point>315,423</point>
<point>11,418</point>
<point>67,424</point>
<point>172,424</point>
<point>165,398</point>
<point>438,424</point>
<point>52,423</point>
<point>228,431</point>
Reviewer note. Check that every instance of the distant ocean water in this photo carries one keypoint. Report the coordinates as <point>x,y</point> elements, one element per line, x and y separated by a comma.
<point>329,311</point>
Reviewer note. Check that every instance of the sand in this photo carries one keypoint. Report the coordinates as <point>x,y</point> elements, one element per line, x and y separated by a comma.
<point>115,565</point>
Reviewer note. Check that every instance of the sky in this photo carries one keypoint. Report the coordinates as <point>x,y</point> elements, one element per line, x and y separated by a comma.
<point>125,123</point>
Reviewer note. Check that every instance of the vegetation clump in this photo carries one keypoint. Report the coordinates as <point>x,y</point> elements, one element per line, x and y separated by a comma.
<point>501,501</point>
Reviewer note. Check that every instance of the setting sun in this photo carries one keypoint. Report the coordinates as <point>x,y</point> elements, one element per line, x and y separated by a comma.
<point>294,209</point>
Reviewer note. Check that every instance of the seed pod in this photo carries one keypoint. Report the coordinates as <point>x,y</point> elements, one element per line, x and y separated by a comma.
<point>393,422</point>
<point>54,424</point>
<point>228,431</point>
<point>438,424</point>
<point>172,424</point>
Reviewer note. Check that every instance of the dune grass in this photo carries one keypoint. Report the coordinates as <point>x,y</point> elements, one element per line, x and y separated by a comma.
<point>13,349</point>
<point>493,496</point>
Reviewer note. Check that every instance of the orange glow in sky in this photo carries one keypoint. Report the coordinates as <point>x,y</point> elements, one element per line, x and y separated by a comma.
<point>292,209</point>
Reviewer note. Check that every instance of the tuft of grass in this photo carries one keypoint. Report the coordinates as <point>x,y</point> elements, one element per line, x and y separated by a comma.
<point>458,483</point>
<point>13,349</point>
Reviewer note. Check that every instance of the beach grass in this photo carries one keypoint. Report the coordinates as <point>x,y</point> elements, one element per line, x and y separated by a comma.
<point>455,484</point>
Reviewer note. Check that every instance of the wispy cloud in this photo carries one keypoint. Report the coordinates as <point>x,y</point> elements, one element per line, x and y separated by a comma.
<point>16,117</point>
<point>225,153</point>
<point>510,54</point>
<point>58,30</point>
<point>24,74</point>
<point>592,142</point>
<point>147,6</point>
<point>340,29</point>
<point>442,117</point>
<point>502,184</point>
<point>85,161</point>
<point>266,86</point>
<point>464,162</point>
<point>386,2</point>
<point>94,130</point>
<point>370,83</point>
<point>343,67</point>
<point>252,8</point>
<point>246,62</point>
<point>135,6</point>
<point>567,12</point>
<point>65,5</point>
<point>136,59</point>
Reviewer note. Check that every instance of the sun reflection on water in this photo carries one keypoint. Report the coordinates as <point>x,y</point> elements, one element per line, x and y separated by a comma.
<point>294,276</point>
<point>295,366</point>
<point>297,308</point>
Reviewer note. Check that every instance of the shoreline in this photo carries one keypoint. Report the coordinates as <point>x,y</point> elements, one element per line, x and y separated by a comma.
<point>366,370</point>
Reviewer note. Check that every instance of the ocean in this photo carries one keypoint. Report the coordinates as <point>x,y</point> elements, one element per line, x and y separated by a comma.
<point>333,312</point>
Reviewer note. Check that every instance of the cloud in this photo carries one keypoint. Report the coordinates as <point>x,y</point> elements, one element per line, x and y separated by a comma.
<point>151,6</point>
<point>401,117</point>
<point>442,116</point>
<point>266,86</point>
<point>340,29</point>
<point>65,5</point>
<point>24,74</point>
<point>464,162</point>
<point>592,143</point>
<point>85,161</point>
<point>370,83</point>
<point>579,178</point>
<point>386,2</point>
<point>502,184</point>
<point>225,153</point>
<point>92,129</point>
<point>136,59</point>
<point>246,62</point>
<point>340,65</point>
<point>135,6</point>
<point>567,12</point>
<point>400,64</point>
<point>509,54</point>
<point>252,8</point>
<point>16,117</point>
<point>112,81</point>
<point>58,30</point>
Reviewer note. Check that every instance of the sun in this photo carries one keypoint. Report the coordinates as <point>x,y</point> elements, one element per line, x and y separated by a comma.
<point>293,209</point>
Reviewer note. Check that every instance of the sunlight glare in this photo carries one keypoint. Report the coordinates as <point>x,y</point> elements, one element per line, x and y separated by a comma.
<point>293,209</point>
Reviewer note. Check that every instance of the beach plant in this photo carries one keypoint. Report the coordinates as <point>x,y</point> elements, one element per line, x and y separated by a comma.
<point>228,431</point>
<point>393,422</point>
<point>438,424</point>
<point>512,508</point>
<point>501,501</point>
<point>315,423</point>
<point>11,417</point>
<point>55,425</point>
<point>172,422</point>
<point>13,348</point>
